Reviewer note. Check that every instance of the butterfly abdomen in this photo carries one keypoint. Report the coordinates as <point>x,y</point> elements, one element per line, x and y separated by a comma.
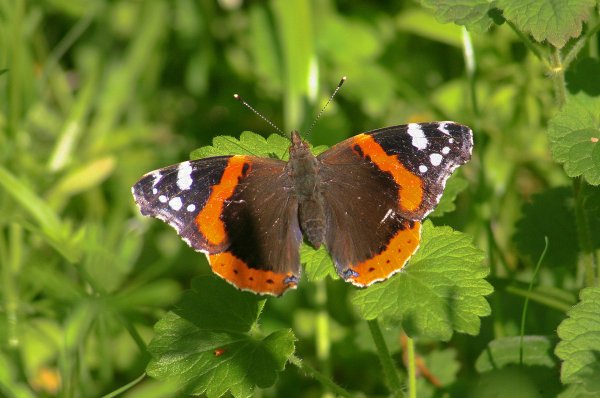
<point>303,169</point>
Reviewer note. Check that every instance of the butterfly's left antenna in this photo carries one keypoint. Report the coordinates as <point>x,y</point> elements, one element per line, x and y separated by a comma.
<point>237,97</point>
<point>342,81</point>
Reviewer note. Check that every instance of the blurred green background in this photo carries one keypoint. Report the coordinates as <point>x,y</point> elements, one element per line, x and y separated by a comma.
<point>96,93</point>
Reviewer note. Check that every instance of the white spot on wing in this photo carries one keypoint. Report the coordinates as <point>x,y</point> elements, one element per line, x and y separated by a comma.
<point>154,191</point>
<point>436,159</point>
<point>162,199</point>
<point>451,141</point>
<point>443,129</point>
<point>389,213</point>
<point>157,176</point>
<point>191,207</point>
<point>423,168</point>
<point>184,176</point>
<point>175,203</point>
<point>419,140</point>
<point>445,150</point>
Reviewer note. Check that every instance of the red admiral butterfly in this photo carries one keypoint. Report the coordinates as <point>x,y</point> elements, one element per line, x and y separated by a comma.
<point>363,198</point>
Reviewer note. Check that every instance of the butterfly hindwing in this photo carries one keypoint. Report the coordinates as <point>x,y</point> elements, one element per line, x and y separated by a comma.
<point>379,186</point>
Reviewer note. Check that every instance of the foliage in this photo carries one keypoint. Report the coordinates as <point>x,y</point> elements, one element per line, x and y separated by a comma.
<point>95,299</point>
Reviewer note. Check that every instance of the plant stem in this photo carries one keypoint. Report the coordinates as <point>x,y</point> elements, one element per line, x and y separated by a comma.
<point>323,337</point>
<point>581,42</point>
<point>412,368</point>
<point>526,303</point>
<point>540,298</point>
<point>320,377</point>
<point>557,72</point>
<point>126,387</point>
<point>533,47</point>
<point>389,370</point>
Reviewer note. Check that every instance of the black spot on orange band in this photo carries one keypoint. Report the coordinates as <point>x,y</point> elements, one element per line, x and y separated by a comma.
<point>389,261</point>
<point>237,272</point>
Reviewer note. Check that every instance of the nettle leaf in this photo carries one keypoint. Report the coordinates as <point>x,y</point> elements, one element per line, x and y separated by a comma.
<point>553,20</point>
<point>455,185</point>
<point>575,137</point>
<point>474,14</point>
<point>249,143</point>
<point>537,351</point>
<point>441,289</point>
<point>317,263</point>
<point>560,228</point>
<point>579,347</point>
<point>211,345</point>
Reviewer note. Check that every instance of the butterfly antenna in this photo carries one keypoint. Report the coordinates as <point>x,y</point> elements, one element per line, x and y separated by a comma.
<point>342,81</point>
<point>237,97</point>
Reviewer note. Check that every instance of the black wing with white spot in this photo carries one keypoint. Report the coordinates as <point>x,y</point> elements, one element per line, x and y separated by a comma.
<point>175,194</point>
<point>431,151</point>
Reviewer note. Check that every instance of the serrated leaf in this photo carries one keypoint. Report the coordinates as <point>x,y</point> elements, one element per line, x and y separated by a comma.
<point>317,263</point>
<point>575,137</point>
<point>537,351</point>
<point>455,185</point>
<point>560,228</point>
<point>474,14</point>
<point>553,20</point>
<point>209,344</point>
<point>441,290</point>
<point>579,348</point>
<point>249,143</point>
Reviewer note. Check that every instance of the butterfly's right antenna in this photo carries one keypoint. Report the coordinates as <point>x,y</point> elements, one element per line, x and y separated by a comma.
<point>342,81</point>
<point>237,97</point>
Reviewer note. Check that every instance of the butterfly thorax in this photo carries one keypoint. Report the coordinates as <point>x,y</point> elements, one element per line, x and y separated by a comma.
<point>303,169</point>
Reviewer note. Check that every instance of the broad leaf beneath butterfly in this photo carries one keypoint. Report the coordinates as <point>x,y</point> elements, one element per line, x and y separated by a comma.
<point>442,289</point>
<point>211,345</point>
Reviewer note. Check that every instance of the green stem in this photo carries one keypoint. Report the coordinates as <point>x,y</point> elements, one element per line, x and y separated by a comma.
<point>412,368</point>
<point>533,47</point>
<point>137,338</point>
<point>126,387</point>
<point>558,77</point>
<point>389,370</point>
<point>321,378</point>
<point>323,337</point>
<point>540,298</point>
<point>470,67</point>
<point>578,46</point>
<point>526,303</point>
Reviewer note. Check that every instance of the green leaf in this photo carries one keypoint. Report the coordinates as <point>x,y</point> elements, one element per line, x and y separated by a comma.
<point>441,289</point>
<point>317,263</point>
<point>553,20</point>
<point>538,370</point>
<point>560,229</point>
<point>474,14</point>
<point>57,233</point>
<point>575,137</point>
<point>455,185</point>
<point>249,143</point>
<point>537,351</point>
<point>211,344</point>
<point>579,348</point>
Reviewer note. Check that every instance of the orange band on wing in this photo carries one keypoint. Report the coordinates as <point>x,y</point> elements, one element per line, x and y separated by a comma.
<point>411,189</point>
<point>209,219</point>
<point>391,260</point>
<point>237,272</point>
